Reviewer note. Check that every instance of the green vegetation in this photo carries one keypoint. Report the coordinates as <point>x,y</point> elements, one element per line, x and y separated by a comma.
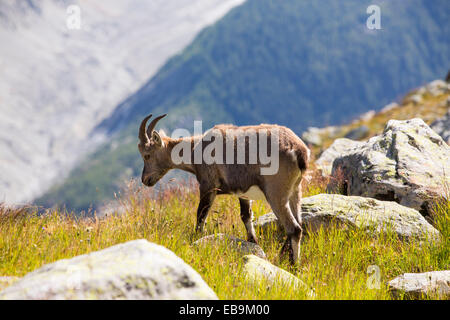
<point>295,63</point>
<point>430,109</point>
<point>334,262</point>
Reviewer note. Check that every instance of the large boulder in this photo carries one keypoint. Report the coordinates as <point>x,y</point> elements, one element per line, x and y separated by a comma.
<point>442,127</point>
<point>240,246</point>
<point>325,210</point>
<point>337,149</point>
<point>435,284</point>
<point>257,270</point>
<point>408,163</point>
<point>133,270</point>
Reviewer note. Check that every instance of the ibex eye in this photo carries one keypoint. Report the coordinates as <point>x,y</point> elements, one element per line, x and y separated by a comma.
<point>146,157</point>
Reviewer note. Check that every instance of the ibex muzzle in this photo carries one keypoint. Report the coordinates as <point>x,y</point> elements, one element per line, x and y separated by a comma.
<point>282,189</point>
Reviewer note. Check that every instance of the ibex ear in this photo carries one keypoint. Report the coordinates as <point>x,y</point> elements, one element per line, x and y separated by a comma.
<point>162,133</point>
<point>157,139</point>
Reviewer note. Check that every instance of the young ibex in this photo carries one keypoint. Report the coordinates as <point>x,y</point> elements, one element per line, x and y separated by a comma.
<point>281,189</point>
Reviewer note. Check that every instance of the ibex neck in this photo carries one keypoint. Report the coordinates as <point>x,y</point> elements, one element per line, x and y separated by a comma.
<point>171,143</point>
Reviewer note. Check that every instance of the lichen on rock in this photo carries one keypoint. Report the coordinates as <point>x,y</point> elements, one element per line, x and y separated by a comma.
<point>257,270</point>
<point>420,285</point>
<point>133,270</point>
<point>408,163</point>
<point>374,216</point>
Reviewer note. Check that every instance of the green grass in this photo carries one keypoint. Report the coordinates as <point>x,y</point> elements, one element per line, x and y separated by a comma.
<point>430,109</point>
<point>334,262</point>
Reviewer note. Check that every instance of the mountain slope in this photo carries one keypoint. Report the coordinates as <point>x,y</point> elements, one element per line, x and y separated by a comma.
<point>57,84</point>
<point>296,63</point>
<point>269,56</point>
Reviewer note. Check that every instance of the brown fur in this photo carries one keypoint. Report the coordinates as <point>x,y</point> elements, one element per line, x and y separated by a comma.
<point>282,190</point>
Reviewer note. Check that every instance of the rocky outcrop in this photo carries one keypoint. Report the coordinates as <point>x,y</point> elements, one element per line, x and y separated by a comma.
<point>416,98</point>
<point>241,246</point>
<point>434,88</point>
<point>437,87</point>
<point>442,127</point>
<point>257,270</point>
<point>365,116</point>
<point>408,163</point>
<point>358,133</point>
<point>325,210</point>
<point>313,136</point>
<point>389,107</point>
<point>337,149</point>
<point>133,270</point>
<point>435,284</point>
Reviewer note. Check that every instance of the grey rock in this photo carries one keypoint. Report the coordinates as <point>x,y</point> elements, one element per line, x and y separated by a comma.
<point>241,246</point>
<point>366,116</point>
<point>415,99</point>
<point>358,133</point>
<point>338,148</point>
<point>437,87</point>
<point>257,270</point>
<point>442,127</point>
<point>268,222</point>
<point>434,88</point>
<point>389,107</point>
<point>325,210</point>
<point>420,285</point>
<point>133,270</point>
<point>408,163</point>
<point>312,136</point>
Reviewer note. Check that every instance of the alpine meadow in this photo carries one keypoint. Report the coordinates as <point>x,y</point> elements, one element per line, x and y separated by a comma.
<point>236,150</point>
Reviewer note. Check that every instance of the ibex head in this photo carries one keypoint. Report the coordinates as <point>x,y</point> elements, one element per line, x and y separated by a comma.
<point>153,151</point>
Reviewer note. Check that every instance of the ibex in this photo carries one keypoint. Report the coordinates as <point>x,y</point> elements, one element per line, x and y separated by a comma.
<point>281,189</point>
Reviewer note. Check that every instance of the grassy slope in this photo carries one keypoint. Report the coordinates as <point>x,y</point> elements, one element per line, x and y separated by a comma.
<point>334,262</point>
<point>295,63</point>
<point>430,109</point>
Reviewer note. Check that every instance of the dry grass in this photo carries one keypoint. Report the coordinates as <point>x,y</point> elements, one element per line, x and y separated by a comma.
<point>334,262</point>
<point>432,108</point>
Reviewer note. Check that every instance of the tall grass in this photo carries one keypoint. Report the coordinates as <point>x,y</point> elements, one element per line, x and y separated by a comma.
<point>334,262</point>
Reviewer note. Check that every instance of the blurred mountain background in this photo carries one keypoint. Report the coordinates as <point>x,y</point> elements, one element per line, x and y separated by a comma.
<point>297,63</point>
<point>58,84</point>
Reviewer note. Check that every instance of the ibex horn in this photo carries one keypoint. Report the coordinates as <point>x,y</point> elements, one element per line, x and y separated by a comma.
<point>142,134</point>
<point>153,124</point>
